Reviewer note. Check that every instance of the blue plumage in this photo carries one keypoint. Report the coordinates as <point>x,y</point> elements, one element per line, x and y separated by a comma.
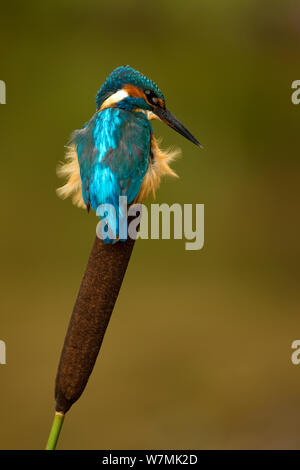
<point>113,150</point>
<point>112,153</point>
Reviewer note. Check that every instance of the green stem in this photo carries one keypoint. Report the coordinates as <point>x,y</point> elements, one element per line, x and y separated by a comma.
<point>55,431</point>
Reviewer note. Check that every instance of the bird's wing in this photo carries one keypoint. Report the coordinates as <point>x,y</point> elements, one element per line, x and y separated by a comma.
<point>113,152</point>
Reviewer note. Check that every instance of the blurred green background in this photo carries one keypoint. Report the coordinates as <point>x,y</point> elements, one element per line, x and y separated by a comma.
<point>197,354</point>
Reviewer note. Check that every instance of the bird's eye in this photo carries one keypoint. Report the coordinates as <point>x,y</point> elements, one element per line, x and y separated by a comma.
<point>151,96</point>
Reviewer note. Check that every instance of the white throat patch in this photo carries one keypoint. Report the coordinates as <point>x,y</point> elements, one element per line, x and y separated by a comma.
<point>149,114</point>
<point>115,98</point>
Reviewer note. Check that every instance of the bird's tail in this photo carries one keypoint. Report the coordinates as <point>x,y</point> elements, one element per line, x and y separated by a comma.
<point>113,225</point>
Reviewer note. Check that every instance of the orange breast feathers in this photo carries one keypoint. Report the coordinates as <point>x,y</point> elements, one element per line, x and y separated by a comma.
<point>158,167</point>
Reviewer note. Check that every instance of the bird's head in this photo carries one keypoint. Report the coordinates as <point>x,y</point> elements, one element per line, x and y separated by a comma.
<point>129,89</point>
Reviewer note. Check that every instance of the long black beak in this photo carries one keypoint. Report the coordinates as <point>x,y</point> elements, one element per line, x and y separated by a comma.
<point>173,122</point>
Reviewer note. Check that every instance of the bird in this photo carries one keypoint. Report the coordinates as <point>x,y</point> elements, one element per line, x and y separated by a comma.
<point>116,153</point>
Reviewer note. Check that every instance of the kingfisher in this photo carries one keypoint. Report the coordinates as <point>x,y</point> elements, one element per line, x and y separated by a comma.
<point>115,153</point>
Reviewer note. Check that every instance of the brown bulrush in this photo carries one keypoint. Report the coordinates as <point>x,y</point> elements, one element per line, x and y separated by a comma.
<point>97,295</point>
